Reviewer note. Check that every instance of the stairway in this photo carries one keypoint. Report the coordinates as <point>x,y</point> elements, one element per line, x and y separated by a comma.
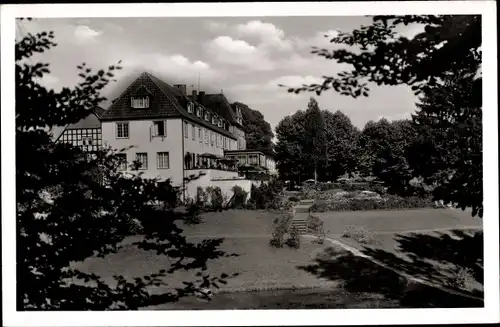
<point>301,215</point>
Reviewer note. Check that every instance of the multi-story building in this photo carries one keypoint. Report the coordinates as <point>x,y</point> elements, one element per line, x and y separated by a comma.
<point>86,134</point>
<point>173,135</point>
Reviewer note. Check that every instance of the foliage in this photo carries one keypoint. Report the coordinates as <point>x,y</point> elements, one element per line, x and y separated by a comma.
<point>341,145</point>
<point>294,240</point>
<point>449,45</point>
<point>359,233</point>
<point>389,202</point>
<point>316,227</point>
<point>240,197</point>
<point>280,228</point>
<point>462,278</point>
<point>314,139</point>
<point>448,150</point>
<point>385,149</point>
<point>216,198</point>
<point>258,132</point>
<point>290,152</point>
<point>266,196</point>
<point>65,214</point>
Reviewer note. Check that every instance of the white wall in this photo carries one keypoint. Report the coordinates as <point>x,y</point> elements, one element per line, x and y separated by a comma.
<point>139,137</point>
<point>207,179</point>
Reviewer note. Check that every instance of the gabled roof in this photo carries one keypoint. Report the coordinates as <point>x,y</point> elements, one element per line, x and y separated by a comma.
<point>219,105</point>
<point>91,121</point>
<point>167,102</point>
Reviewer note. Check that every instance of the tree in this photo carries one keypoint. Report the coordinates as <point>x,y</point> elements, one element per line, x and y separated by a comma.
<point>258,132</point>
<point>314,136</point>
<point>65,214</point>
<point>341,145</point>
<point>290,150</point>
<point>378,54</point>
<point>385,147</point>
<point>448,150</point>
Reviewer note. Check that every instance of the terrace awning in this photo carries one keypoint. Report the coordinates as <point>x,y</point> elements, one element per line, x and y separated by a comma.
<point>208,155</point>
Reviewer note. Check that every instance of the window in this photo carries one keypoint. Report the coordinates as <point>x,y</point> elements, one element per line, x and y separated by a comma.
<point>162,160</point>
<point>139,103</point>
<point>193,132</point>
<point>142,158</point>
<point>122,130</point>
<point>122,158</point>
<point>198,111</point>
<point>212,138</point>
<point>207,116</point>
<point>224,143</point>
<point>186,131</point>
<point>190,107</point>
<point>217,140</point>
<point>200,135</point>
<point>160,128</point>
<point>206,137</point>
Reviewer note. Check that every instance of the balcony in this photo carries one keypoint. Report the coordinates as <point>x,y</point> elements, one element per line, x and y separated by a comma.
<point>210,161</point>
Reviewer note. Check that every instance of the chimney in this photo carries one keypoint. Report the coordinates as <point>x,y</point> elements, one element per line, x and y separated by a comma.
<point>181,87</point>
<point>200,96</point>
<point>195,97</point>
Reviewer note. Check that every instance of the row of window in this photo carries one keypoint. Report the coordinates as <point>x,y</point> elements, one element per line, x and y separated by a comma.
<point>209,137</point>
<point>162,160</point>
<point>208,116</point>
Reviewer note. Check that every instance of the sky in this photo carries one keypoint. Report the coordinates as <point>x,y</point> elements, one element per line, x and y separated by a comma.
<point>245,58</point>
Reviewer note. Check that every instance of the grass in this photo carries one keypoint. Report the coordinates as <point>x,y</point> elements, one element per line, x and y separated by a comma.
<point>332,280</point>
<point>438,257</point>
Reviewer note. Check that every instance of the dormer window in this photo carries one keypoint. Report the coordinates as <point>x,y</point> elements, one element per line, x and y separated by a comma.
<point>214,120</point>
<point>207,116</point>
<point>139,102</point>
<point>198,111</point>
<point>190,107</point>
<point>220,123</point>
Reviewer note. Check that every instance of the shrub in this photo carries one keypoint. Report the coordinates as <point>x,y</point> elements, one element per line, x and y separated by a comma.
<point>359,234</point>
<point>280,228</point>
<point>294,240</point>
<point>357,203</point>
<point>240,197</point>
<point>216,198</point>
<point>462,278</point>
<point>316,226</point>
<point>201,195</point>
<point>293,199</point>
<point>266,196</point>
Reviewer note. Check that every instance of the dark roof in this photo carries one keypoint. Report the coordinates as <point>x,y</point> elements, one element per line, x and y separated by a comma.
<point>248,151</point>
<point>91,121</point>
<point>219,105</point>
<point>167,102</point>
<point>98,111</point>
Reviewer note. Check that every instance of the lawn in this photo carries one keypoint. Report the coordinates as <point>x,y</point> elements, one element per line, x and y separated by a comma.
<point>332,280</point>
<point>397,220</point>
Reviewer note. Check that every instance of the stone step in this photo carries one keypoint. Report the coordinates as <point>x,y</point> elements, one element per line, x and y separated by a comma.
<point>307,201</point>
<point>302,209</point>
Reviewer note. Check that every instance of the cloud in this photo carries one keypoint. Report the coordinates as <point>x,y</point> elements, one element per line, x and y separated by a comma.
<point>215,26</point>
<point>49,81</point>
<point>267,33</point>
<point>174,68</point>
<point>113,27</point>
<point>83,33</point>
<point>227,50</point>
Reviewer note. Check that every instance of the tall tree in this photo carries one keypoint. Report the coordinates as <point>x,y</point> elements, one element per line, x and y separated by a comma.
<point>65,214</point>
<point>314,137</point>
<point>290,151</point>
<point>341,145</point>
<point>378,54</point>
<point>448,150</point>
<point>385,147</point>
<point>258,132</point>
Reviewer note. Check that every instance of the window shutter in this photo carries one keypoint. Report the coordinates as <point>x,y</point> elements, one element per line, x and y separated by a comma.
<point>165,128</point>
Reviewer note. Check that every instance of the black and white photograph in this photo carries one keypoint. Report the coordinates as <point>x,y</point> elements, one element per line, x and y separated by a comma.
<point>247,163</point>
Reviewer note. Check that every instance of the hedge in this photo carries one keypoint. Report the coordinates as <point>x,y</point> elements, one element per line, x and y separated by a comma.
<point>389,202</point>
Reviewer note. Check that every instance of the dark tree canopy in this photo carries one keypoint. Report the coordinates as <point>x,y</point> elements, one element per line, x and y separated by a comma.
<point>72,205</point>
<point>342,145</point>
<point>314,140</point>
<point>258,132</point>
<point>448,152</point>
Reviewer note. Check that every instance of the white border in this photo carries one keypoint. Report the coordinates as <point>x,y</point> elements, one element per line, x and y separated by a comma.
<point>254,317</point>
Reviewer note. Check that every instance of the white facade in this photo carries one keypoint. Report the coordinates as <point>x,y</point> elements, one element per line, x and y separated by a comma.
<point>178,136</point>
